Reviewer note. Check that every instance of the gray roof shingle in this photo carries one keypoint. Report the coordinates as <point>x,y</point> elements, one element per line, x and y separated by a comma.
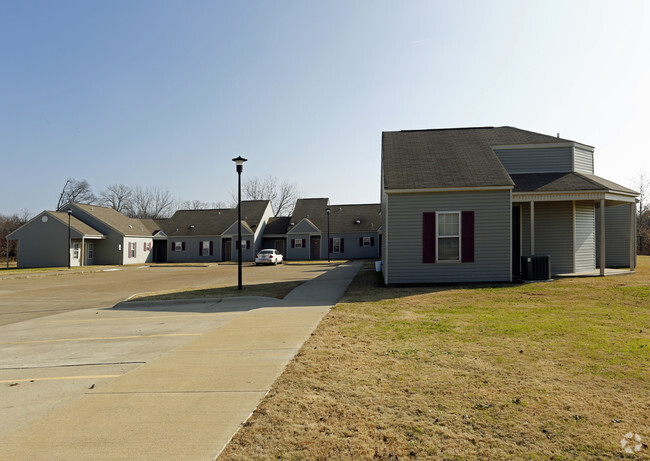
<point>569,182</point>
<point>447,158</point>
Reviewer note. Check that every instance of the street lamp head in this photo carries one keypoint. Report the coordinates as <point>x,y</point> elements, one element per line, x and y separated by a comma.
<point>327,210</point>
<point>69,211</point>
<point>239,161</point>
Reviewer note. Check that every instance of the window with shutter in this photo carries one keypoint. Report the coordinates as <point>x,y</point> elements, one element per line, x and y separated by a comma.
<point>448,238</point>
<point>467,236</point>
<point>200,248</point>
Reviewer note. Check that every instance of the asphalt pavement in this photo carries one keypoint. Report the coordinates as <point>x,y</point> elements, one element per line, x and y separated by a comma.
<point>185,402</point>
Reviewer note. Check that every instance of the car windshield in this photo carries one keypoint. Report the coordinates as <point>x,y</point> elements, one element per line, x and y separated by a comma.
<point>266,252</point>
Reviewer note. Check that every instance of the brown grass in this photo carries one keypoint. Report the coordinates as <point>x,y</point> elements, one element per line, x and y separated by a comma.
<point>554,370</point>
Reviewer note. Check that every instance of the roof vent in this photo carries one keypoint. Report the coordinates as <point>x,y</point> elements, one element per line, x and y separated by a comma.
<point>191,226</point>
<point>130,226</point>
<point>292,224</point>
<point>357,221</point>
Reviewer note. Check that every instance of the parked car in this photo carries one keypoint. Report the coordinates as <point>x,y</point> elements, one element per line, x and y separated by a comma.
<point>268,257</point>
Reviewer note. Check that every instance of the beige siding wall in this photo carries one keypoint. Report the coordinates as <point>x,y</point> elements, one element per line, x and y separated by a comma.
<point>554,234</point>
<point>617,236</point>
<point>403,237</point>
<point>585,236</point>
<point>584,160</point>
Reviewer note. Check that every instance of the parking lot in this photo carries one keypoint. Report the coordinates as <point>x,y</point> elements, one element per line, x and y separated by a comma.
<point>60,337</point>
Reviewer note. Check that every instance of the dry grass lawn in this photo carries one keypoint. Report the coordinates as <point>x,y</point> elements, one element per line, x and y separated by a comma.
<point>541,371</point>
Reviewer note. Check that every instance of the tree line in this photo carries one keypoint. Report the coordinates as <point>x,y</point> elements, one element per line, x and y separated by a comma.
<point>157,203</point>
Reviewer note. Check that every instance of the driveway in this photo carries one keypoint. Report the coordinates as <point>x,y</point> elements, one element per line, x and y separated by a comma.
<point>44,294</point>
<point>164,380</point>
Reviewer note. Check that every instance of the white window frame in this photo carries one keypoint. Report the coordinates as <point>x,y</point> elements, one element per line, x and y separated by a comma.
<point>178,246</point>
<point>90,248</point>
<point>206,247</point>
<point>450,236</point>
<point>298,243</point>
<point>132,249</point>
<point>75,250</point>
<point>336,245</point>
<point>366,241</point>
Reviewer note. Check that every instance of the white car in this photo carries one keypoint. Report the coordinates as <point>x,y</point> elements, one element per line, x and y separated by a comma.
<point>268,257</point>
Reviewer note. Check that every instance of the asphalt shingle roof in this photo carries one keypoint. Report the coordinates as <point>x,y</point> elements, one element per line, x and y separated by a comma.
<point>558,182</point>
<point>446,158</point>
<point>212,222</point>
<point>116,220</point>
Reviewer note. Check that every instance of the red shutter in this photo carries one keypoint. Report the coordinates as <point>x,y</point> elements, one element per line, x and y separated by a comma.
<point>428,238</point>
<point>200,248</point>
<point>173,246</point>
<point>236,244</point>
<point>293,243</point>
<point>360,241</point>
<point>303,243</point>
<point>342,245</point>
<point>211,247</point>
<point>331,244</point>
<point>182,246</point>
<point>248,244</point>
<point>372,241</point>
<point>135,250</point>
<point>467,236</point>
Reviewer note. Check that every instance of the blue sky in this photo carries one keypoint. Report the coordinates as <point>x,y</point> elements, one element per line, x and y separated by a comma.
<point>166,93</point>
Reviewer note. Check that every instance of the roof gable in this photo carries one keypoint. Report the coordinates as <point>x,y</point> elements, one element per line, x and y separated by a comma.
<point>305,226</point>
<point>245,229</point>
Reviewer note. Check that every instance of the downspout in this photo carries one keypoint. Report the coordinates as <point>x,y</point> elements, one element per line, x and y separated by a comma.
<point>602,237</point>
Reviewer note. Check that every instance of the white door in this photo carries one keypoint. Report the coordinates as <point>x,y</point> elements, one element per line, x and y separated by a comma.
<point>75,254</point>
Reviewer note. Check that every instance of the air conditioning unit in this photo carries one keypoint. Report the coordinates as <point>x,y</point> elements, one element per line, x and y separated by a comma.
<point>536,267</point>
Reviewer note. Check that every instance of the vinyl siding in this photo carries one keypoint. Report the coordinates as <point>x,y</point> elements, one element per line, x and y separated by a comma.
<point>584,160</point>
<point>554,234</point>
<point>191,253</point>
<point>538,160</point>
<point>352,250</point>
<point>297,254</point>
<point>403,237</point>
<point>43,244</point>
<point>585,236</point>
<point>617,236</point>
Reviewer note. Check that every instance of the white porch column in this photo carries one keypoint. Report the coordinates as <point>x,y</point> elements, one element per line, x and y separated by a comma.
<point>602,237</point>
<point>532,228</point>
<point>632,236</point>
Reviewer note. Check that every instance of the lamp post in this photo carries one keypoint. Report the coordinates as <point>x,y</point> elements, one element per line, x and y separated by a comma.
<point>239,161</point>
<point>69,241</point>
<point>327,210</point>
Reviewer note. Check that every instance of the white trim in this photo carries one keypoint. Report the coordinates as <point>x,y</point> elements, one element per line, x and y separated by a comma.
<point>459,236</point>
<point>447,189</point>
<point>548,145</point>
<point>568,196</point>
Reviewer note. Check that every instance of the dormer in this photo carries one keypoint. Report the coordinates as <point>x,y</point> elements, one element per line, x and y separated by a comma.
<point>561,157</point>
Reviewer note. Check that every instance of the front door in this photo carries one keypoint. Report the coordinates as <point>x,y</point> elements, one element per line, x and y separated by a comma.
<point>516,240</point>
<point>227,250</point>
<point>160,251</point>
<point>279,246</point>
<point>90,254</point>
<point>314,249</point>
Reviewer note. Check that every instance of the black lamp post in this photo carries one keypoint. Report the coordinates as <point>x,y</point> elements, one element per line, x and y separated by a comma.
<point>69,241</point>
<point>327,210</point>
<point>239,161</point>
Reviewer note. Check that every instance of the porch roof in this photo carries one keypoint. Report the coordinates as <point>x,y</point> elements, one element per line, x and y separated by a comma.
<point>568,186</point>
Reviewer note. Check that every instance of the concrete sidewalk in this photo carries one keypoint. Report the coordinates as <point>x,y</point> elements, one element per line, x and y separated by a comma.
<point>188,403</point>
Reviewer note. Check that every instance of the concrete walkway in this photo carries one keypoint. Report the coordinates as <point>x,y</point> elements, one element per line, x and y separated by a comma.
<point>189,402</point>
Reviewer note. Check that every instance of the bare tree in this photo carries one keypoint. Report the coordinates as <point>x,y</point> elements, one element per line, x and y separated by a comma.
<point>643,216</point>
<point>116,196</point>
<point>75,190</point>
<point>151,203</point>
<point>281,195</point>
<point>199,205</point>
<point>8,224</point>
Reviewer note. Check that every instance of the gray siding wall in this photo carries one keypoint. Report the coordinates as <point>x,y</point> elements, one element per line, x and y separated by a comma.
<point>191,253</point>
<point>585,236</point>
<point>296,254</point>
<point>617,236</point>
<point>403,236</point>
<point>540,160</point>
<point>352,249</point>
<point>43,244</point>
<point>584,160</point>
<point>554,234</point>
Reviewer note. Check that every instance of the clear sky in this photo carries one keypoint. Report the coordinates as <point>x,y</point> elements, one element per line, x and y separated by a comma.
<point>165,93</point>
